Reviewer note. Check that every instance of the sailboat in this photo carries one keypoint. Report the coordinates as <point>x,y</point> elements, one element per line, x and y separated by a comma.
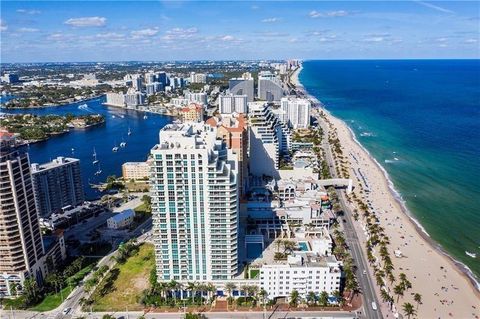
<point>473,255</point>
<point>129,131</point>
<point>115,148</point>
<point>99,170</point>
<point>145,117</point>
<point>95,160</point>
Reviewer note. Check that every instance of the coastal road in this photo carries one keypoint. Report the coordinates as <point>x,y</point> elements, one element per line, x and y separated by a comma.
<point>365,281</point>
<point>233,315</point>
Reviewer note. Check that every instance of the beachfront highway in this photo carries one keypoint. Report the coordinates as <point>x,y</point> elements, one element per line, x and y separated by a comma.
<point>363,275</point>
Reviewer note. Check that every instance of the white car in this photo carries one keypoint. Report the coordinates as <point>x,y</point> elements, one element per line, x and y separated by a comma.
<point>66,311</point>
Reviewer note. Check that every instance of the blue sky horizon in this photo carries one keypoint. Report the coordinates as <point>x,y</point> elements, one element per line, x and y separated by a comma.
<point>90,31</point>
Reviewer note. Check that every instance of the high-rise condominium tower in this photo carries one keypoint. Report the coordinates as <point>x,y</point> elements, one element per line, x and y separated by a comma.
<point>195,204</point>
<point>21,248</point>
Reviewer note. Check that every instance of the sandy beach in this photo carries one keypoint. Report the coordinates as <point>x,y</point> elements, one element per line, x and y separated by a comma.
<point>446,291</point>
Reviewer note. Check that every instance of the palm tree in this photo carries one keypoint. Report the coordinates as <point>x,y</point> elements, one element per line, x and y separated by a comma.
<point>211,289</point>
<point>192,286</point>
<point>229,288</point>
<point>338,295</point>
<point>398,290</point>
<point>311,298</point>
<point>323,299</point>
<point>418,299</point>
<point>263,296</point>
<point>408,309</point>
<point>294,297</point>
<point>384,295</point>
<point>173,287</point>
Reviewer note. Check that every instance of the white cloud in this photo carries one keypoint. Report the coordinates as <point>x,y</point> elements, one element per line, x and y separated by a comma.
<point>110,36</point>
<point>25,11</point>
<point>149,32</point>
<point>338,13</point>
<point>3,25</point>
<point>471,41</point>
<point>28,30</point>
<point>374,39</point>
<point>227,38</point>
<point>180,33</point>
<point>434,7</point>
<point>271,20</point>
<point>87,22</point>
<point>441,40</point>
<point>330,14</point>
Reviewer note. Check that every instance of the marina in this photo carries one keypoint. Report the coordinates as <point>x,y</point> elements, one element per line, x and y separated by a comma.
<point>94,146</point>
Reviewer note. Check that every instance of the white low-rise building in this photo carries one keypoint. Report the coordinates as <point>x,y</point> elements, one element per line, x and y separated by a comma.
<point>303,272</point>
<point>121,220</point>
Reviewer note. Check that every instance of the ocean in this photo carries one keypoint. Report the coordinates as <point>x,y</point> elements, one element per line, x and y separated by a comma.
<point>80,143</point>
<point>421,120</point>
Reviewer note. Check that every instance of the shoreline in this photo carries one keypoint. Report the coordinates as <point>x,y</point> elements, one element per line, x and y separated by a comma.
<point>463,270</point>
<point>128,109</point>
<point>54,105</point>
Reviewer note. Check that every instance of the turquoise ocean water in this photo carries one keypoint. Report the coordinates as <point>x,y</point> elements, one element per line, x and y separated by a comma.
<point>420,119</point>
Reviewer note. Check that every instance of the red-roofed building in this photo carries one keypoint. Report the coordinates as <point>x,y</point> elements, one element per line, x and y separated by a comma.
<point>192,113</point>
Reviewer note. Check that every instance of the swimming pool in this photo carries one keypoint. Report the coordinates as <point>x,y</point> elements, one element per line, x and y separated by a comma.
<point>303,246</point>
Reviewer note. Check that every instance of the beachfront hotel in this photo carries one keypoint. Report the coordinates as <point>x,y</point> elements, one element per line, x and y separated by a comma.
<point>194,189</point>
<point>296,112</point>
<point>21,247</point>
<point>269,87</point>
<point>242,86</point>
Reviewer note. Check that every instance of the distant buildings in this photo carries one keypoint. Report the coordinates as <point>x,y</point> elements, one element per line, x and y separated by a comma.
<point>115,99</point>
<point>134,98</point>
<point>192,113</point>
<point>195,205</point>
<point>243,86</point>
<point>135,170</point>
<point>229,103</point>
<point>9,78</point>
<point>269,87</point>
<point>57,184</point>
<point>21,248</point>
<point>198,77</point>
<point>296,112</point>
<point>200,98</point>
<point>121,220</point>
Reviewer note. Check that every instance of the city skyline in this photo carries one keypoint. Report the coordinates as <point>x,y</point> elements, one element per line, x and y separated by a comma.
<point>42,31</point>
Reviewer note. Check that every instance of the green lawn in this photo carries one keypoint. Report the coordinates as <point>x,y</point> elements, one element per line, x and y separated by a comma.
<point>131,281</point>
<point>52,301</point>
<point>254,273</point>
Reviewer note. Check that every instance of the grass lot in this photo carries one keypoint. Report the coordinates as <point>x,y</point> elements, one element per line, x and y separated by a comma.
<point>52,301</point>
<point>131,281</point>
<point>137,186</point>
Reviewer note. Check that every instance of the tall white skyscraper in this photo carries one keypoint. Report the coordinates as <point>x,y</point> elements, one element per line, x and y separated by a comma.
<point>230,103</point>
<point>296,112</point>
<point>194,189</point>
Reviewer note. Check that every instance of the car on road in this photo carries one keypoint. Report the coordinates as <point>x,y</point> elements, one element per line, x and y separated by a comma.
<point>364,272</point>
<point>374,305</point>
<point>66,311</point>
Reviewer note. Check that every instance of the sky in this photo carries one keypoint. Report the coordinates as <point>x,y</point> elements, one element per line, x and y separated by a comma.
<point>68,31</point>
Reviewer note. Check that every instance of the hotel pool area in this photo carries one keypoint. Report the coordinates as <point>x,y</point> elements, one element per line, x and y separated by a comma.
<point>304,246</point>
